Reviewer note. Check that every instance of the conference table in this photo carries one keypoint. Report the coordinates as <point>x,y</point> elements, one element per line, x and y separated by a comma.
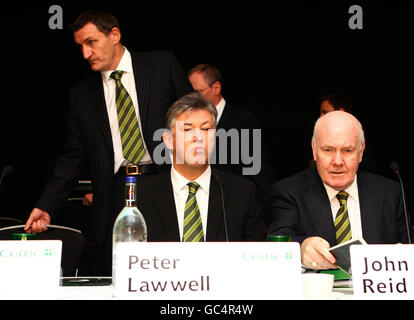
<point>84,289</point>
<point>145,270</point>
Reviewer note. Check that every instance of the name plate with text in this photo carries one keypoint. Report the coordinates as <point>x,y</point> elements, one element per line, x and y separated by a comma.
<point>30,269</point>
<point>208,270</point>
<point>383,271</point>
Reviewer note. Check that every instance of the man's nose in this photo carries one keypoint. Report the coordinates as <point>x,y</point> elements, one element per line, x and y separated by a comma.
<point>338,160</point>
<point>86,52</point>
<point>198,135</point>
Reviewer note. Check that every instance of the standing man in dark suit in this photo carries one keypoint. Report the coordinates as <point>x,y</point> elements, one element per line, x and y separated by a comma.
<point>112,118</point>
<point>250,158</point>
<point>332,203</point>
<point>193,202</point>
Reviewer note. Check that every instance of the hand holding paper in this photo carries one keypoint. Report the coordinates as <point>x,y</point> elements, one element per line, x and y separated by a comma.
<point>315,254</point>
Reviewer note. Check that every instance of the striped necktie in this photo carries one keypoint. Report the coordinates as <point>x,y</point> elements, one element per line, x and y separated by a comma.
<point>342,225</point>
<point>132,144</point>
<point>193,228</point>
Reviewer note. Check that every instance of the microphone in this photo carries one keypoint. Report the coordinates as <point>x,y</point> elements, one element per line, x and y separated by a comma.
<point>222,205</point>
<point>6,171</point>
<point>394,167</point>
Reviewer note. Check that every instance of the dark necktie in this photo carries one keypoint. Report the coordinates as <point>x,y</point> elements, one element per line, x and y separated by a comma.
<point>193,228</point>
<point>132,144</point>
<point>342,224</point>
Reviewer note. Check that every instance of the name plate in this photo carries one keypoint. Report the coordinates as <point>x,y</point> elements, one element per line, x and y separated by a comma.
<point>208,270</point>
<point>383,271</point>
<point>30,269</point>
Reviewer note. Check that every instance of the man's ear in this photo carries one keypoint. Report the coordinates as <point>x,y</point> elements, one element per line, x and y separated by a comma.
<point>168,139</point>
<point>313,144</point>
<point>115,35</point>
<point>216,86</point>
<point>361,152</point>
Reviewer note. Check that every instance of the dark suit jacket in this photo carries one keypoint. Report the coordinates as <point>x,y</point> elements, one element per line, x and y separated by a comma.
<point>301,208</point>
<point>238,118</point>
<point>159,81</point>
<point>156,202</point>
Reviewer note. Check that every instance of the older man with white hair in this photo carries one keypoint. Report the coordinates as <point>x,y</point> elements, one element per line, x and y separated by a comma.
<point>334,202</point>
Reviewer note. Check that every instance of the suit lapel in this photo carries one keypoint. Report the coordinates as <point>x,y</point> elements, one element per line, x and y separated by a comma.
<point>96,99</point>
<point>225,118</point>
<point>369,206</point>
<point>319,207</point>
<point>165,208</point>
<point>142,85</point>
<point>215,212</point>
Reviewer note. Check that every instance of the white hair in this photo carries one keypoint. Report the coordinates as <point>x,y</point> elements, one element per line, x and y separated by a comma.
<point>361,134</point>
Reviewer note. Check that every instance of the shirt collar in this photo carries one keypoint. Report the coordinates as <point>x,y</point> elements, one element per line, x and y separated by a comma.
<point>352,190</point>
<point>179,182</point>
<point>124,65</point>
<point>220,108</point>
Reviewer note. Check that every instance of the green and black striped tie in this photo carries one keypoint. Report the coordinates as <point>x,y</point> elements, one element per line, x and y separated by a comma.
<point>193,228</point>
<point>342,224</point>
<point>132,144</point>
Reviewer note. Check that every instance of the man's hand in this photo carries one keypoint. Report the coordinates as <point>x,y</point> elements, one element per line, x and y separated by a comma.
<point>315,254</point>
<point>37,221</point>
<point>87,199</point>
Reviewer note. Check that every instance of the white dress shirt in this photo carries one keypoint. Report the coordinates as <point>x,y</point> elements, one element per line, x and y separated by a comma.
<point>220,108</point>
<point>354,211</point>
<point>180,188</point>
<point>128,81</point>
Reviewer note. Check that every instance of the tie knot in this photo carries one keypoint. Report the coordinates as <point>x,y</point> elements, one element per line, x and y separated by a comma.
<point>342,197</point>
<point>192,187</point>
<point>116,75</point>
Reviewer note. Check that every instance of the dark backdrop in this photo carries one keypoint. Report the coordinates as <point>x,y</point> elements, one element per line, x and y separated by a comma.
<point>276,61</point>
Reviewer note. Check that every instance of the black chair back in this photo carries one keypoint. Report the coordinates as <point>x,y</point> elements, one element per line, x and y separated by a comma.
<point>73,244</point>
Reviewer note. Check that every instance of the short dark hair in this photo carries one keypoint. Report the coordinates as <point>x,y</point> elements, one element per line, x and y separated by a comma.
<point>103,20</point>
<point>338,100</point>
<point>210,73</point>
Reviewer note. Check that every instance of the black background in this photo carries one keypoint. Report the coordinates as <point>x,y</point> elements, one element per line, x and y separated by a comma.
<point>276,61</point>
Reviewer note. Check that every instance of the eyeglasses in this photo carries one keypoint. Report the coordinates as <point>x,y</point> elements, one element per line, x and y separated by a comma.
<point>202,90</point>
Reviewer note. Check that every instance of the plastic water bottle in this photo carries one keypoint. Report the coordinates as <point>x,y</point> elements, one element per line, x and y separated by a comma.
<point>130,225</point>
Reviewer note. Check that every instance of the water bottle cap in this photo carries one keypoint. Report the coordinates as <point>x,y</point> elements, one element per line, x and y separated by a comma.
<point>131,179</point>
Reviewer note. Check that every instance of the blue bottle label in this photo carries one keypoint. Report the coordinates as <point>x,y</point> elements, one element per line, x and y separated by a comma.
<point>131,179</point>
